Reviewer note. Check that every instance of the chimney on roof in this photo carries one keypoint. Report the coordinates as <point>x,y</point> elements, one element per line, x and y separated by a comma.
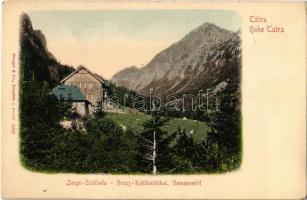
<point>81,67</point>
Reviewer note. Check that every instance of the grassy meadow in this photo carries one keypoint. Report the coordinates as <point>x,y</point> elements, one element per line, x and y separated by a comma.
<point>134,121</point>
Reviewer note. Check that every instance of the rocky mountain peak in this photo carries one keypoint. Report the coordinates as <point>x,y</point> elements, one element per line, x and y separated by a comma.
<point>33,43</point>
<point>127,77</point>
<point>207,27</point>
<point>207,33</point>
<point>26,23</point>
<point>203,55</point>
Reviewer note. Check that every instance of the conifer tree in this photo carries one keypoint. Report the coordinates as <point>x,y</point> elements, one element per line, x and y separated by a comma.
<point>224,138</point>
<point>154,151</point>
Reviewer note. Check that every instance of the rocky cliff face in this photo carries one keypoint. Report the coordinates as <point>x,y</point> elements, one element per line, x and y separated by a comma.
<point>37,63</point>
<point>127,77</point>
<point>204,58</point>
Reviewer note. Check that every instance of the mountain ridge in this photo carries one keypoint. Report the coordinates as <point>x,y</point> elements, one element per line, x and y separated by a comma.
<point>37,62</point>
<point>202,53</point>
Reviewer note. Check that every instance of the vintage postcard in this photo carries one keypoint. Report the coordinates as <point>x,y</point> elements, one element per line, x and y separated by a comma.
<point>153,100</point>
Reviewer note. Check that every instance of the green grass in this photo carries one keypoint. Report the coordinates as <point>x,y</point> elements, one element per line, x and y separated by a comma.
<point>134,121</point>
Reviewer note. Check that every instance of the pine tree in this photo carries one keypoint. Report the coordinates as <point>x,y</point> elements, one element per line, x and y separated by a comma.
<point>184,153</point>
<point>223,143</point>
<point>154,151</point>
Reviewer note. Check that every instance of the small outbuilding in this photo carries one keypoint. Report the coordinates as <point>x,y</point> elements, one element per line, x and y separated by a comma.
<point>72,94</point>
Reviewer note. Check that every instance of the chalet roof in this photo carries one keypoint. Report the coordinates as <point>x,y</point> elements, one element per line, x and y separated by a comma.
<point>68,93</point>
<point>96,76</point>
